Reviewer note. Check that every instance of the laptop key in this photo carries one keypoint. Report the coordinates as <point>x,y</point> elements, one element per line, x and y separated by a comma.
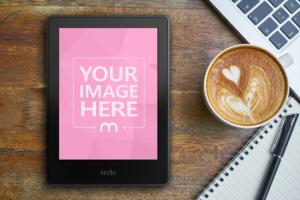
<point>289,30</point>
<point>268,26</point>
<point>260,13</point>
<point>280,15</point>
<point>276,3</point>
<point>291,6</point>
<point>278,40</point>
<point>234,1</point>
<point>246,5</point>
<point>296,19</point>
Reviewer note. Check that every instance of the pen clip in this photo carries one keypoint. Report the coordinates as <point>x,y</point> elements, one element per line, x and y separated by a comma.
<point>278,134</point>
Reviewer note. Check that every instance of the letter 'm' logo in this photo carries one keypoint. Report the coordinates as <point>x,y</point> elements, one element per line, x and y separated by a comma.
<point>112,126</point>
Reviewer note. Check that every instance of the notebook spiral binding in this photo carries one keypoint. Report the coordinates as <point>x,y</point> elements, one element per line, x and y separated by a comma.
<point>240,156</point>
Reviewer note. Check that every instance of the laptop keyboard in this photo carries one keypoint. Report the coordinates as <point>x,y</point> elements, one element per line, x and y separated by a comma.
<point>277,20</point>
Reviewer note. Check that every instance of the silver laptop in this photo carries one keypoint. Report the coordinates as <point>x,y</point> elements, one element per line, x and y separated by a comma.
<point>271,24</point>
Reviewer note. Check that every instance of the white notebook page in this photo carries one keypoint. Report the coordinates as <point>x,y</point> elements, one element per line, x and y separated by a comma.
<point>242,178</point>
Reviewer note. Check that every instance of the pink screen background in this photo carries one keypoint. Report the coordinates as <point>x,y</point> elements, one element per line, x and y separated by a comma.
<point>80,138</point>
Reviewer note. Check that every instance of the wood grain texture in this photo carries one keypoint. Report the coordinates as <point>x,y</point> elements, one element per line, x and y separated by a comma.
<point>200,145</point>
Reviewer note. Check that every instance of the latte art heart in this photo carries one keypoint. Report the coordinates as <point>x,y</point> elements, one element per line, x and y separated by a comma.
<point>246,86</point>
<point>233,74</point>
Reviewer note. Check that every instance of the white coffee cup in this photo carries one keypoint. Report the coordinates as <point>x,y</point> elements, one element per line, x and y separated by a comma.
<point>221,118</point>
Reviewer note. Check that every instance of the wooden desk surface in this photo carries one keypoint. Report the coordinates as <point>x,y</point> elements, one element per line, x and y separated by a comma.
<point>200,145</point>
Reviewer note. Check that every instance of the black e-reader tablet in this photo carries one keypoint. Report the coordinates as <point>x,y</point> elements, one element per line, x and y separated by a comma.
<point>108,93</point>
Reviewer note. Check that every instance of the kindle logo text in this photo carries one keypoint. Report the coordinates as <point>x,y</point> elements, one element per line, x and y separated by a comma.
<point>108,172</point>
<point>108,93</point>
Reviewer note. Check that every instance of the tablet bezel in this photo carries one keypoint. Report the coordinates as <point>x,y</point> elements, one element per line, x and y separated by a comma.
<point>107,171</point>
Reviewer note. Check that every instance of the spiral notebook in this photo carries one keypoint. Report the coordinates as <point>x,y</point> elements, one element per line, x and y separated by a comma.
<point>242,176</point>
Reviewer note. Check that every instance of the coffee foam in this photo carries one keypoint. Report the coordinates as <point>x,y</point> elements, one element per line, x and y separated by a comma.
<point>246,86</point>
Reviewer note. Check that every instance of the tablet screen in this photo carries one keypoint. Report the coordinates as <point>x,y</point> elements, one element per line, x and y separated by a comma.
<point>108,94</point>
